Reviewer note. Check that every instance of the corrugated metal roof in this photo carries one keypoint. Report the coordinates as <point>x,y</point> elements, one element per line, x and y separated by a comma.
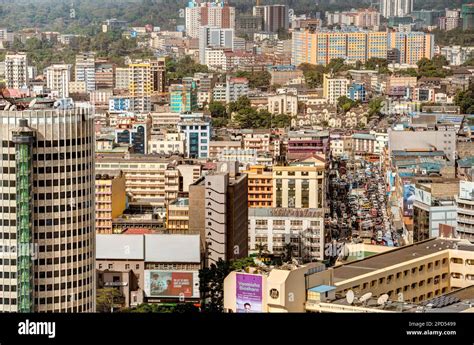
<point>120,247</point>
<point>172,248</point>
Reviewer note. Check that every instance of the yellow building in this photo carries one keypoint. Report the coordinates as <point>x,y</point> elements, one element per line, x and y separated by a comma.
<point>177,215</point>
<point>110,199</point>
<point>320,47</point>
<point>260,186</point>
<point>300,184</point>
<point>147,178</point>
<point>411,274</point>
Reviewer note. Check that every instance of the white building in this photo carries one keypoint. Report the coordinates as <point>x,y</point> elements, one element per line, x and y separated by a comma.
<point>122,78</point>
<point>396,8</point>
<point>271,229</point>
<point>465,210</point>
<point>217,14</point>
<point>16,70</point>
<point>334,87</point>
<point>216,59</point>
<point>235,88</point>
<point>197,130</point>
<point>456,55</point>
<point>58,78</point>
<point>167,144</point>
<point>214,37</point>
<point>85,70</point>
<point>283,104</point>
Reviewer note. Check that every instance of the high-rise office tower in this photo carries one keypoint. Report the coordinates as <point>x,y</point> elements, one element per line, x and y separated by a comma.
<point>210,37</point>
<point>85,70</point>
<point>467,14</point>
<point>396,8</point>
<point>16,70</point>
<point>217,14</point>
<point>47,210</point>
<point>218,211</point>
<point>58,78</point>
<point>274,17</point>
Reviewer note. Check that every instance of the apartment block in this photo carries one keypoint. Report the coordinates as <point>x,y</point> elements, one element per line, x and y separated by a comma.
<point>110,199</point>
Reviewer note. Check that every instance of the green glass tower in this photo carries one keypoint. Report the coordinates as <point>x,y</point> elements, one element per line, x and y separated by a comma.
<point>23,138</point>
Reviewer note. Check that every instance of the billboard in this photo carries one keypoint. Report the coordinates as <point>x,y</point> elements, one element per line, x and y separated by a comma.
<point>408,199</point>
<point>423,196</point>
<point>466,190</point>
<point>249,293</point>
<point>177,284</point>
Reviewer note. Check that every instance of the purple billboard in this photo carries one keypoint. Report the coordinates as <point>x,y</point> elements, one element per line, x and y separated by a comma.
<point>249,293</point>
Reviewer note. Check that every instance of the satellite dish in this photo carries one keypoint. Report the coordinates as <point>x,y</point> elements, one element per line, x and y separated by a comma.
<point>382,299</point>
<point>365,297</point>
<point>350,296</point>
<point>32,103</point>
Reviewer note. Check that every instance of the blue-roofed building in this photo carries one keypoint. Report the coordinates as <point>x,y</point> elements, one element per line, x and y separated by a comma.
<point>321,293</point>
<point>357,92</point>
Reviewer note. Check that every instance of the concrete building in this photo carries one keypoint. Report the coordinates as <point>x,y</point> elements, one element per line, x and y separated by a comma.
<point>434,205</point>
<point>149,268</point>
<point>214,37</point>
<point>424,139</point>
<point>218,211</point>
<point>122,81</point>
<point>216,14</point>
<point>465,210</point>
<point>416,273</point>
<point>16,70</point>
<point>283,104</point>
<point>197,130</point>
<point>396,8</point>
<point>274,17</point>
<point>274,228</point>
<point>259,141</point>
<point>104,74</point>
<point>147,178</point>
<point>300,184</point>
<point>451,20</point>
<point>216,147</point>
<point>467,14</point>
<point>334,87</point>
<point>145,78</point>
<point>47,210</point>
<point>235,88</point>
<point>363,18</point>
<point>260,186</point>
<point>457,55</point>
<point>177,215</point>
<point>284,74</point>
<point>168,143</point>
<point>110,199</point>
<point>84,70</point>
<point>304,143</point>
<point>183,97</point>
<point>134,132</point>
<point>248,25</point>
<point>58,78</point>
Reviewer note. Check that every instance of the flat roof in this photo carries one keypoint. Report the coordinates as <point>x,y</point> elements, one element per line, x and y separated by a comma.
<point>393,257</point>
<point>286,212</point>
<point>149,247</point>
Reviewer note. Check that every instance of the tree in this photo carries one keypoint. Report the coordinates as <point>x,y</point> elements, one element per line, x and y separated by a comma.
<point>241,103</point>
<point>257,80</point>
<point>219,122</point>
<point>106,298</point>
<point>345,103</point>
<point>465,100</point>
<point>217,109</point>
<point>313,74</point>
<point>185,67</point>
<point>375,106</point>
<point>211,286</point>
<point>281,121</point>
<point>241,264</point>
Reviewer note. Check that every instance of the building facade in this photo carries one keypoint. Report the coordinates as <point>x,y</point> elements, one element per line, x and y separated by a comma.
<point>48,210</point>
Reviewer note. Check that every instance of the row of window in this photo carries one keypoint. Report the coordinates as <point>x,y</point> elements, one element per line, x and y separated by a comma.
<point>63,286</point>
<point>53,143</point>
<point>62,221</point>
<point>62,168</point>
<point>61,156</point>
<point>64,246</point>
<point>62,273</point>
<point>61,182</point>
<point>62,195</point>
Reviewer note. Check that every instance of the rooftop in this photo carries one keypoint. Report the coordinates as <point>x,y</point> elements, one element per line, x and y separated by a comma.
<point>286,212</point>
<point>394,257</point>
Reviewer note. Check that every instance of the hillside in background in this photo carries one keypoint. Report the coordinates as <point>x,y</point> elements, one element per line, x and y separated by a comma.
<point>56,14</point>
